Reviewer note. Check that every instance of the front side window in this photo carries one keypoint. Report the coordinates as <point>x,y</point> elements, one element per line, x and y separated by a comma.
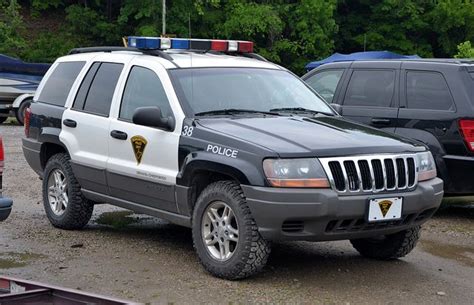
<point>215,89</point>
<point>325,83</point>
<point>143,89</point>
<point>57,86</point>
<point>428,90</point>
<point>370,88</point>
<point>97,89</point>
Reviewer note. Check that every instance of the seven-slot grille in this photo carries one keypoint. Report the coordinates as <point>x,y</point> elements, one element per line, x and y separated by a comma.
<point>371,173</point>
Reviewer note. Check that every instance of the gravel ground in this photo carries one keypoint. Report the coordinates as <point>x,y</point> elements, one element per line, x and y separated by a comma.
<point>148,260</point>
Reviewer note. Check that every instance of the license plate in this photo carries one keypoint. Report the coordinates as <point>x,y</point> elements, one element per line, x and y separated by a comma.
<point>385,209</point>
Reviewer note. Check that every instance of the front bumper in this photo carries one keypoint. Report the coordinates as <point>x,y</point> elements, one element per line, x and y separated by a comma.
<point>323,214</point>
<point>5,207</point>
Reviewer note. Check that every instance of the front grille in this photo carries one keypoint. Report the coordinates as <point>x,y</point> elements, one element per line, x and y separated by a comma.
<point>371,173</point>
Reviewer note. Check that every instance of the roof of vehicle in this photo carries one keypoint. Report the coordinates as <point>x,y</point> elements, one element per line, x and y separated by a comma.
<point>173,59</point>
<point>453,61</point>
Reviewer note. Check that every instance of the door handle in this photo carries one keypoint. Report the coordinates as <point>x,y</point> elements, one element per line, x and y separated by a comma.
<point>117,134</point>
<point>70,123</point>
<point>378,121</point>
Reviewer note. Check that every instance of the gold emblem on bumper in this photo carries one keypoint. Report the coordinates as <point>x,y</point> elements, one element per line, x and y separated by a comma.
<point>385,206</point>
<point>138,144</point>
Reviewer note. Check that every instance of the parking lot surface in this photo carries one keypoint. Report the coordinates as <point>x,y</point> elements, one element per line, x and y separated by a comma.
<point>148,260</point>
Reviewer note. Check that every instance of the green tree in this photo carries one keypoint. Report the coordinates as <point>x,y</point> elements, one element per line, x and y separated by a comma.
<point>11,27</point>
<point>465,50</point>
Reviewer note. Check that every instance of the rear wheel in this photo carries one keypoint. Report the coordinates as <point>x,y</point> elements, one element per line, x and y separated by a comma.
<point>225,235</point>
<point>387,247</point>
<point>64,203</point>
<point>20,112</point>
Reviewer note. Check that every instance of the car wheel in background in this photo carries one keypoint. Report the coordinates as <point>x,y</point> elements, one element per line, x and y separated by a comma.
<point>20,112</point>
<point>387,247</point>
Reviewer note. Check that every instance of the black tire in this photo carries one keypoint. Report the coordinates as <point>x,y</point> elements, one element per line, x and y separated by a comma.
<point>252,251</point>
<point>79,210</point>
<point>388,247</point>
<point>3,119</point>
<point>20,112</point>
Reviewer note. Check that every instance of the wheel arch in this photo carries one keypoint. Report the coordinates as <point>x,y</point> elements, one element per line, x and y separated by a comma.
<point>433,144</point>
<point>196,175</point>
<point>21,98</point>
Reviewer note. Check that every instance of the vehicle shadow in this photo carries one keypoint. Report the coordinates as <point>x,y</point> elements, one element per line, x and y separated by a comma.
<point>324,262</point>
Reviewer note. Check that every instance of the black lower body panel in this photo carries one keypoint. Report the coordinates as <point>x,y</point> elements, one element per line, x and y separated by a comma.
<point>323,214</point>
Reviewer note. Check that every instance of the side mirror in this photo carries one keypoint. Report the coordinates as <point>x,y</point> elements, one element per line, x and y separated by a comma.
<point>337,107</point>
<point>152,117</point>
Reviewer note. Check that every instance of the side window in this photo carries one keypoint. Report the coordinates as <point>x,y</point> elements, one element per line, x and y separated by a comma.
<point>97,89</point>
<point>325,83</point>
<point>374,88</point>
<point>57,87</point>
<point>143,88</point>
<point>428,90</point>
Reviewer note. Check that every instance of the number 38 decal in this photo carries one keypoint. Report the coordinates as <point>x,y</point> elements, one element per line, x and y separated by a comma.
<point>187,131</point>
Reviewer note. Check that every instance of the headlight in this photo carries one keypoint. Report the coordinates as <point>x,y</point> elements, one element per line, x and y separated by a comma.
<point>426,166</point>
<point>295,173</point>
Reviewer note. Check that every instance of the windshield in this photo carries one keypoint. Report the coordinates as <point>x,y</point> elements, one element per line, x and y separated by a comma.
<point>203,90</point>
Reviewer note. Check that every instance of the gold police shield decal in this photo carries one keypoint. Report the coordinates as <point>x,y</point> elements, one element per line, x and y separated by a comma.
<point>138,144</point>
<point>385,206</point>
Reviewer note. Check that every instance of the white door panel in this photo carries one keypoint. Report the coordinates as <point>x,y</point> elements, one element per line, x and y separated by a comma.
<point>150,181</point>
<point>86,142</point>
<point>159,161</point>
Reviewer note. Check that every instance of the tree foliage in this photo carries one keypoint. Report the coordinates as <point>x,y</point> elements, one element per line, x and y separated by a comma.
<point>289,32</point>
<point>465,50</point>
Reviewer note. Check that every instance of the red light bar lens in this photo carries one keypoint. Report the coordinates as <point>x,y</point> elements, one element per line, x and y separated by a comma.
<point>245,47</point>
<point>467,130</point>
<point>219,45</point>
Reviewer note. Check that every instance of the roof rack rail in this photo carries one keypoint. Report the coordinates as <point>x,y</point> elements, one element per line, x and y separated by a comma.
<point>157,53</point>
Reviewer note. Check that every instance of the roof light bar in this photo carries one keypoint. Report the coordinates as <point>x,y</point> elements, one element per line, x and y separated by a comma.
<point>150,43</point>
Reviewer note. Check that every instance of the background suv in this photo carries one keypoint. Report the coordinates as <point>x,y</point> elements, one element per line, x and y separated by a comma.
<point>424,99</point>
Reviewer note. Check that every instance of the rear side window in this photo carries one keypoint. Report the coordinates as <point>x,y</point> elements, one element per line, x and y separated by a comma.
<point>143,89</point>
<point>428,90</point>
<point>325,83</point>
<point>374,88</point>
<point>97,89</point>
<point>57,86</point>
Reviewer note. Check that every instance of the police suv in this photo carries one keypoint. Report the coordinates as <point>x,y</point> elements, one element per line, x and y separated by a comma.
<point>208,135</point>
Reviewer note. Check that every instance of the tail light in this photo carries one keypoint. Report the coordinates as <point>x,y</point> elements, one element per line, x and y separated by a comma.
<point>467,130</point>
<point>2,155</point>
<point>27,121</point>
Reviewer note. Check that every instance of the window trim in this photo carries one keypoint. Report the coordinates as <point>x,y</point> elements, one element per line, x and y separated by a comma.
<point>339,83</point>
<point>425,109</point>
<point>90,84</point>
<point>393,102</point>
<point>50,73</point>
<point>125,86</point>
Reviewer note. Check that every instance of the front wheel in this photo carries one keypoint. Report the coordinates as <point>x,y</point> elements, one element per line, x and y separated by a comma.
<point>225,235</point>
<point>387,247</point>
<point>64,203</point>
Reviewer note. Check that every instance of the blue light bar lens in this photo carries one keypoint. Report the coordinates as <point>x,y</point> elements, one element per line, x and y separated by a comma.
<point>179,44</point>
<point>144,42</point>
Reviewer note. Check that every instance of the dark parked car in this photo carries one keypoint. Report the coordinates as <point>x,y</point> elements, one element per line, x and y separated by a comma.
<point>5,203</point>
<point>424,99</point>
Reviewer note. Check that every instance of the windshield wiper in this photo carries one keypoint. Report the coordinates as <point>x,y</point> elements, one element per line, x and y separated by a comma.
<point>232,111</point>
<point>300,109</point>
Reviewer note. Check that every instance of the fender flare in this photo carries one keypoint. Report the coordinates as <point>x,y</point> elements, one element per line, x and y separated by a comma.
<point>21,98</point>
<point>239,169</point>
<point>432,143</point>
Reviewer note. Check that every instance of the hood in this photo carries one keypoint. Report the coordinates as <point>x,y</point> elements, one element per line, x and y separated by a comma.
<point>304,137</point>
